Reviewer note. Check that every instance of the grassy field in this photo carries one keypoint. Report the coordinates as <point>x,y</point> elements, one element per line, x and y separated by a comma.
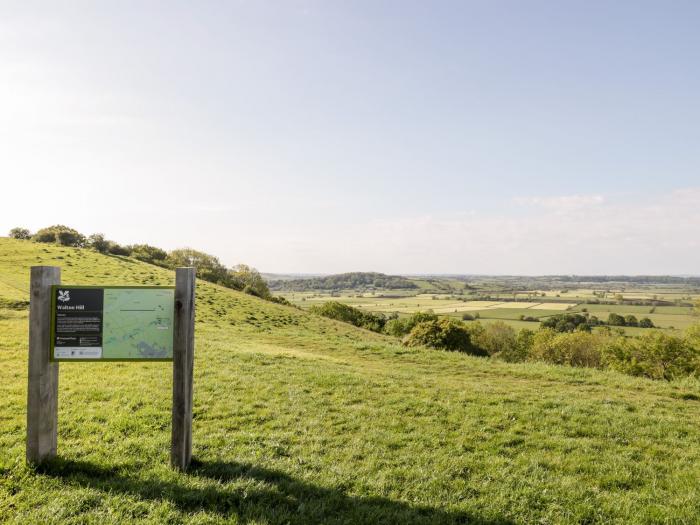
<point>299,419</point>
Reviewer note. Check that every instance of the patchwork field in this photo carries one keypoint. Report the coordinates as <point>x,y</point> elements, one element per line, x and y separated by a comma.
<point>671,318</point>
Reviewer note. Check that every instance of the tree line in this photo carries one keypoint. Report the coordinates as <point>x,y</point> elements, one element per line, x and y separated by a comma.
<point>571,322</point>
<point>208,267</point>
<point>345,281</point>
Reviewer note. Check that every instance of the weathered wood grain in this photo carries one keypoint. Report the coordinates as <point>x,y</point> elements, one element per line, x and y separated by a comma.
<point>42,392</point>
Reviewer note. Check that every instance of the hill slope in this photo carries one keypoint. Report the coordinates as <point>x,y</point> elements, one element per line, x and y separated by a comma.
<point>299,419</point>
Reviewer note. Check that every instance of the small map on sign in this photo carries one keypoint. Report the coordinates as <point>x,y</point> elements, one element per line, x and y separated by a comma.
<point>138,324</point>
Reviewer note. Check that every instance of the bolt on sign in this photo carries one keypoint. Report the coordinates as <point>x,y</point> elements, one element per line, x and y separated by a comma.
<point>112,323</point>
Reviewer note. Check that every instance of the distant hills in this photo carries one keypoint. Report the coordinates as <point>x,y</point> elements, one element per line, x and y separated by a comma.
<point>344,281</point>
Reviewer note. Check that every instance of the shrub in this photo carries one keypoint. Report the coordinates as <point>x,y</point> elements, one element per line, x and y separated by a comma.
<point>655,355</point>
<point>467,317</point>
<point>575,348</point>
<point>395,327</point>
<point>499,340</point>
<point>60,234</point>
<point>692,335</point>
<point>280,300</point>
<point>149,254</point>
<point>631,320</point>
<point>118,249</point>
<point>20,233</point>
<point>349,314</point>
<point>443,334</point>
<point>402,327</point>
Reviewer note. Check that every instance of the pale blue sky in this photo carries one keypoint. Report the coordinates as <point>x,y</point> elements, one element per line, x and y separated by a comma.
<point>315,136</point>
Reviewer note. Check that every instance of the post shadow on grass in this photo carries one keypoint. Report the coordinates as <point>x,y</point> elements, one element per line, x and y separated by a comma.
<point>276,498</point>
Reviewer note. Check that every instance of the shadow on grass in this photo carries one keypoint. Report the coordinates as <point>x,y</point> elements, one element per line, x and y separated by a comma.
<point>250,493</point>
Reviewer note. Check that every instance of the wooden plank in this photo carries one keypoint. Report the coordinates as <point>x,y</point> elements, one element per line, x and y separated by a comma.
<point>183,365</point>
<point>42,391</point>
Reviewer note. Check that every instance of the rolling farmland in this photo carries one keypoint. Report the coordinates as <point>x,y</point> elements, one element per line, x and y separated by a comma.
<point>510,308</point>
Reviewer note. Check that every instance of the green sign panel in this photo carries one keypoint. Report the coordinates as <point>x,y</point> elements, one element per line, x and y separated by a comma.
<point>112,323</point>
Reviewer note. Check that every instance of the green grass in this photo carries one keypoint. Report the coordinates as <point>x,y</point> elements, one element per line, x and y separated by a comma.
<point>299,419</point>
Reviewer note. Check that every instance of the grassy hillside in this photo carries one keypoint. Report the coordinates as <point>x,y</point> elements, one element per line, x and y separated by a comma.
<point>299,419</point>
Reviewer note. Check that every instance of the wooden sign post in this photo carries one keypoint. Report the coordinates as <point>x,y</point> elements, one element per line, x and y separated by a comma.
<point>42,394</point>
<point>76,327</point>
<point>183,364</point>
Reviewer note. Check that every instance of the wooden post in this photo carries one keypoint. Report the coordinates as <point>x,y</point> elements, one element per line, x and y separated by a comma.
<point>42,392</point>
<point>183,364</point>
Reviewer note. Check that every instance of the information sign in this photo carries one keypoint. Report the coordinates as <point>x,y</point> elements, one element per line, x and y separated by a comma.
<point>112,323</point>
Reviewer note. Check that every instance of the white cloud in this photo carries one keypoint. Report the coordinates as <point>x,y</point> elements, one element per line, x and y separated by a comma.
<point>581,234</point>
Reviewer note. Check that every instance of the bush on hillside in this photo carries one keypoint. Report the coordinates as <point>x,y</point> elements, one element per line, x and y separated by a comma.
<point>149,254</point>
<point>280,300</point>
<point>443,334</point>
<point>118,249</point>
<point>348,314</point>
<point>60,234</point>
<point>655,355</point>
<point>243,277</point>
<point>20,233</point>
<point>568,348</point>
<point>401,327</point>
<point>497,339</point>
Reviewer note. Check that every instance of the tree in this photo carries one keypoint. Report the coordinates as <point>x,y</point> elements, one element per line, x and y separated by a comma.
<point>645,322</point>
<point>567,323</point>
<point>207,266</point>
<point>616,319</point>
<point>443,334</point>
<point>20,233</point>
<point>149,254</point>
<point>60,234</point>
<point>97,242</point>
<point>248,279</point>
<point>499,340</point>
<point>400,327</point>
